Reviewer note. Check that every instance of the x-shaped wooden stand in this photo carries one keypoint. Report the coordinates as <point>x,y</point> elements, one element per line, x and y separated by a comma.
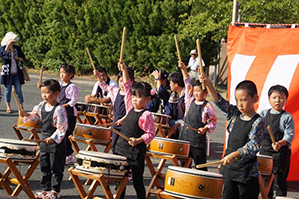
<point>19,180</point>
<point>265,186</point>
<point>163,195</point>
<point>33,131</point>
<point>97,179</point>
<point>163,130</point>
<point>156,174</point>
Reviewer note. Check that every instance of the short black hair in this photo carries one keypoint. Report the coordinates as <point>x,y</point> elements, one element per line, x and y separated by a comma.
<point>69,68</point>
<point>130,72</point>
<point>101,69</point>
<point>198,83</point>
<point>52,84</point>
<point>249,86</point>
<point>142,89</point>
<point>280,89</point>
<point>177,77</point>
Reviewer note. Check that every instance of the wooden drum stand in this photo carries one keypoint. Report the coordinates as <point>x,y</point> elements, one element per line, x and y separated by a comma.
<point>165,149</point>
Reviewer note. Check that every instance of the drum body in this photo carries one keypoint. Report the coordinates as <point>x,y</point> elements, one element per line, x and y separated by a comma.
<point>169,146</point>
<point>93,162</point>
<point>18,150</point>
<point>161,118</point>
<point>92,132</point>
<point>265,163</point>
<point>98,109</point>
<point>191,183</point>
<point>31,124</point>
<point>81,106</point>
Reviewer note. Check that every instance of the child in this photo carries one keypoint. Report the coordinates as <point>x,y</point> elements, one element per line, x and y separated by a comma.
<point>176,104</point>
<point>162,85</point>
<point>68,98</point>
<point>200,115</point>
<point>53,127</point>
<point>246,129</point>
<point>282,125</point>
<point>118,99</point>
<point>139,126</point>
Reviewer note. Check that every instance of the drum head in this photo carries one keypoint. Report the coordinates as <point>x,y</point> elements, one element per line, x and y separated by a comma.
<point>172,140</point>
<point>205,174</point>
<point>18,144</point>
<point>103,157</point>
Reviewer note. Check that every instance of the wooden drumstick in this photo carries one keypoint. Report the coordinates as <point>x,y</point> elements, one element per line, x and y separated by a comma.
<point>121,58</point>
<point>200,62</point>
<point>209,164</point>
<point>194,129</point>
<point>119,133</point>
<point>29,140</point>
<point>100,98</point>
<point>271,134</point>
<point>16,98</point>
<point>177,47</point>
<point>41,75</point>
<point>94,68</point>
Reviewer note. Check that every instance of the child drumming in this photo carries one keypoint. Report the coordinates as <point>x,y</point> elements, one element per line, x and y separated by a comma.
<point>246,129</point>
<point>200,114</point>
<point>139,126</point>
<point>53,128</point>
<point>68,98</point>
<point>117,95</point>
<point>282,125</point>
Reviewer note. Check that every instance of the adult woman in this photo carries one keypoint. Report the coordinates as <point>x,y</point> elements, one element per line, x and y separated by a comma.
<point>12,73</point>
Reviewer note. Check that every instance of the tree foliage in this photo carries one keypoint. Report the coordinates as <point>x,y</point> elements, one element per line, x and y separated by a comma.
<point>56,31</point>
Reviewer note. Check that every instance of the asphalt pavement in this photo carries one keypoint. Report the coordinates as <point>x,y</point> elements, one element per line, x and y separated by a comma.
<point>68,190</point>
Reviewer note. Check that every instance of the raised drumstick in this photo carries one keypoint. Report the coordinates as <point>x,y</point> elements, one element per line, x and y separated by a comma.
<point>16,98</point>
<point>119,133</point>
<point>177,48</point>
<point>41,75</point>
<point>271,134</point>
<point>94,68</point>
<point>121,58</point>
<point>200,61</point>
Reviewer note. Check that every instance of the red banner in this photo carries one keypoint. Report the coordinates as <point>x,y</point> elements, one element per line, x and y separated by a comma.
<point>267,57</point>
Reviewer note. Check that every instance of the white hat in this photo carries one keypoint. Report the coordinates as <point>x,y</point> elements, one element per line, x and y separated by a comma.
<point>193,52</point>
<point>9,36</point>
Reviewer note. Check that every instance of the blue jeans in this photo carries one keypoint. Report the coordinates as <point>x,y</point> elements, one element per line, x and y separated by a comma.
<point>14,80</point>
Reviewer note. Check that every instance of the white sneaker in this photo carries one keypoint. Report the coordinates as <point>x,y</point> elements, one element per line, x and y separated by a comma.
<point>70,158</point>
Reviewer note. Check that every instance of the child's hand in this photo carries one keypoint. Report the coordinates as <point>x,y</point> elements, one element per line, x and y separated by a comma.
<point>202,130</point>
<point>88,98</point>
<point>121,66</point>
<point>39,85</point>
<point>133,141</point>
<point>23,113</point>
<point>49,140</point>
<point>119,122</point>
<point>156,74</point>
<point>230,158</point>
<point>276,146</point>
<point>181,65</point>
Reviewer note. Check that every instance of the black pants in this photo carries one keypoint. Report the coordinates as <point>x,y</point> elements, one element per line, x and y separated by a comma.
<point>237,190</point>
<point>198,155</point>
<point>70,129</point>
<point>52,164</point>
<point>137,167</point>
<point>281,166</point>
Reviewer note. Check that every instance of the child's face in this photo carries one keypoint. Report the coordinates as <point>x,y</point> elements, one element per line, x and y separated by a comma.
<point>139,102</point>
<point>199,94</point>
<point>277,100</point>
<point>64,76</point>
<point>245,102</point>
<point>173,86</point>
<point>48,95</point>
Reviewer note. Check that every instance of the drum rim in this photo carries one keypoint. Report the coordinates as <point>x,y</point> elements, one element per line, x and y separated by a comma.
<point>184,196</point>
<point>121,158</point>
<point>264,156</point>
<point>160,114</point>
<point>17,142</point>
<point>172,140</point>
<point>93,126</point>
<point>81,169</point>
<point>98,105</point>
<point>200,172</point>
